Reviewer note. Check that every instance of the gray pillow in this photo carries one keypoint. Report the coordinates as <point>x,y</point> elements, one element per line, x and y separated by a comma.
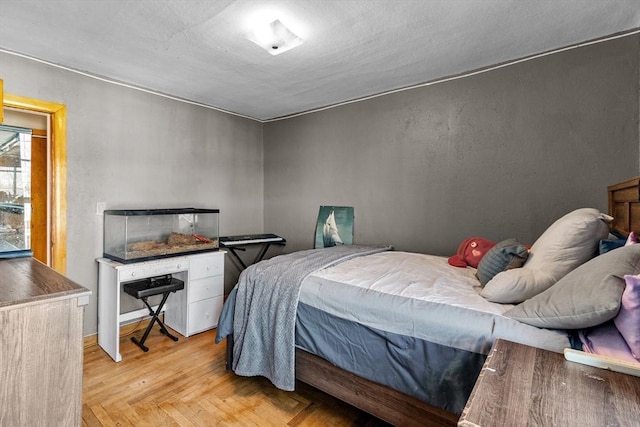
<point>505,255</point>
<point>570,241</point>
<point>586,297</point>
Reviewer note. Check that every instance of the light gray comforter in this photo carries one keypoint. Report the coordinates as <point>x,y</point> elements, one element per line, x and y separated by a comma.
<point>265,307</point>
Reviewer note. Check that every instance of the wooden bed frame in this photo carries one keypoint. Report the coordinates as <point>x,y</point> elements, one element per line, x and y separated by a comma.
<point>403,410</point>
<point>624,206</point>
<point>381,401</point>
<point>378,400</point>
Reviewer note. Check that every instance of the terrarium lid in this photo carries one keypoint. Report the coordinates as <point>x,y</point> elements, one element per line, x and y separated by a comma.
<point>172,211</point>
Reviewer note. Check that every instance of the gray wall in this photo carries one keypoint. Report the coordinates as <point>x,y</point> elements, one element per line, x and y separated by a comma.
<point>500,154</point>
<point>132,149</point>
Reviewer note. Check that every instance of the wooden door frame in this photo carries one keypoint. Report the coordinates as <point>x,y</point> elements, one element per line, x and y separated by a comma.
<point>58,202</point>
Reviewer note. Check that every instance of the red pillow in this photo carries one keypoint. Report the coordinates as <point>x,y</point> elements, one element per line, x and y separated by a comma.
<point>471,251</point>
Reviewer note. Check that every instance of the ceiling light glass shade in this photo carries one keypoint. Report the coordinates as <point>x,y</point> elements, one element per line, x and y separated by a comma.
<point>275,38</point>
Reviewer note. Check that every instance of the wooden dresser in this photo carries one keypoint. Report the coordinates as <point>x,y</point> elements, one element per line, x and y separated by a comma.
<point>41,345</point>
<point>526,386</point>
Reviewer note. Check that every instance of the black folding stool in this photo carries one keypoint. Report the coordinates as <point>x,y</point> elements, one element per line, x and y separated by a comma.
<point>142,289</point>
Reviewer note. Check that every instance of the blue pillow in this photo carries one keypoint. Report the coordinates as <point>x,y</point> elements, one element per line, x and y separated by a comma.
<point>608,245</point>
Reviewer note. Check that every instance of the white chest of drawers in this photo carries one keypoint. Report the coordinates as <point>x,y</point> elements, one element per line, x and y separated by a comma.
<point>198,307</point>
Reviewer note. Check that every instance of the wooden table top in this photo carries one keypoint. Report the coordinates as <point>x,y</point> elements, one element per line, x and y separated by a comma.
<point>527,386</point>
<point>25,280</point>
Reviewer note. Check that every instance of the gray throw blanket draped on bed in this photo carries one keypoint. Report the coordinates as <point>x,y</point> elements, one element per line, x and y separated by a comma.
<point>265,310</point>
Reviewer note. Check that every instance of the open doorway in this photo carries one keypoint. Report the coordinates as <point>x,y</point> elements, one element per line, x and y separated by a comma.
<point>48,170</point>
<point>24,184</point>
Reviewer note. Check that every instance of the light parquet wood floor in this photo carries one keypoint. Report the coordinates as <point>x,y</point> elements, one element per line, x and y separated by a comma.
<point>185,383</point>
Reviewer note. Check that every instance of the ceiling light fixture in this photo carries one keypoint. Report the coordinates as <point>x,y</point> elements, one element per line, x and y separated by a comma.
<point>274,37</point>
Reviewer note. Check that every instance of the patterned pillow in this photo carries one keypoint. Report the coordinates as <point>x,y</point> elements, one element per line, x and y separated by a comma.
<point>628,319</point>
<point>610,244</point>
<point>615,242</point>
<point>505,255</point>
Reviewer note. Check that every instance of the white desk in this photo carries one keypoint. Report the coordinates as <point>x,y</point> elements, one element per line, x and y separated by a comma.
<point>194,309</point>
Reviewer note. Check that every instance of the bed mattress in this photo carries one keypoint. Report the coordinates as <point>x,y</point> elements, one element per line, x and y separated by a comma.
<point>421,296</point>
<point>409,321</point>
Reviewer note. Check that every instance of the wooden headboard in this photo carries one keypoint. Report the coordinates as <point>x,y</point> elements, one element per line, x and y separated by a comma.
<point>624,206</point>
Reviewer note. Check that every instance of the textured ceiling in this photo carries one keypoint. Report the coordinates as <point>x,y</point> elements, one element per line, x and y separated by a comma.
<point>197,50</point>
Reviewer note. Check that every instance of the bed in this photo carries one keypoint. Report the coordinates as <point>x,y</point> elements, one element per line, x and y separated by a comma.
<point>403,335</point>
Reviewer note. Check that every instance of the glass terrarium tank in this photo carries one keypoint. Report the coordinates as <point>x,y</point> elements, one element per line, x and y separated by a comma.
<point>144,234</point>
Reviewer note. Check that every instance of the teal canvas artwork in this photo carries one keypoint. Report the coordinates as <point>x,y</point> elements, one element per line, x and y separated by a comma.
<point>334,226</point>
